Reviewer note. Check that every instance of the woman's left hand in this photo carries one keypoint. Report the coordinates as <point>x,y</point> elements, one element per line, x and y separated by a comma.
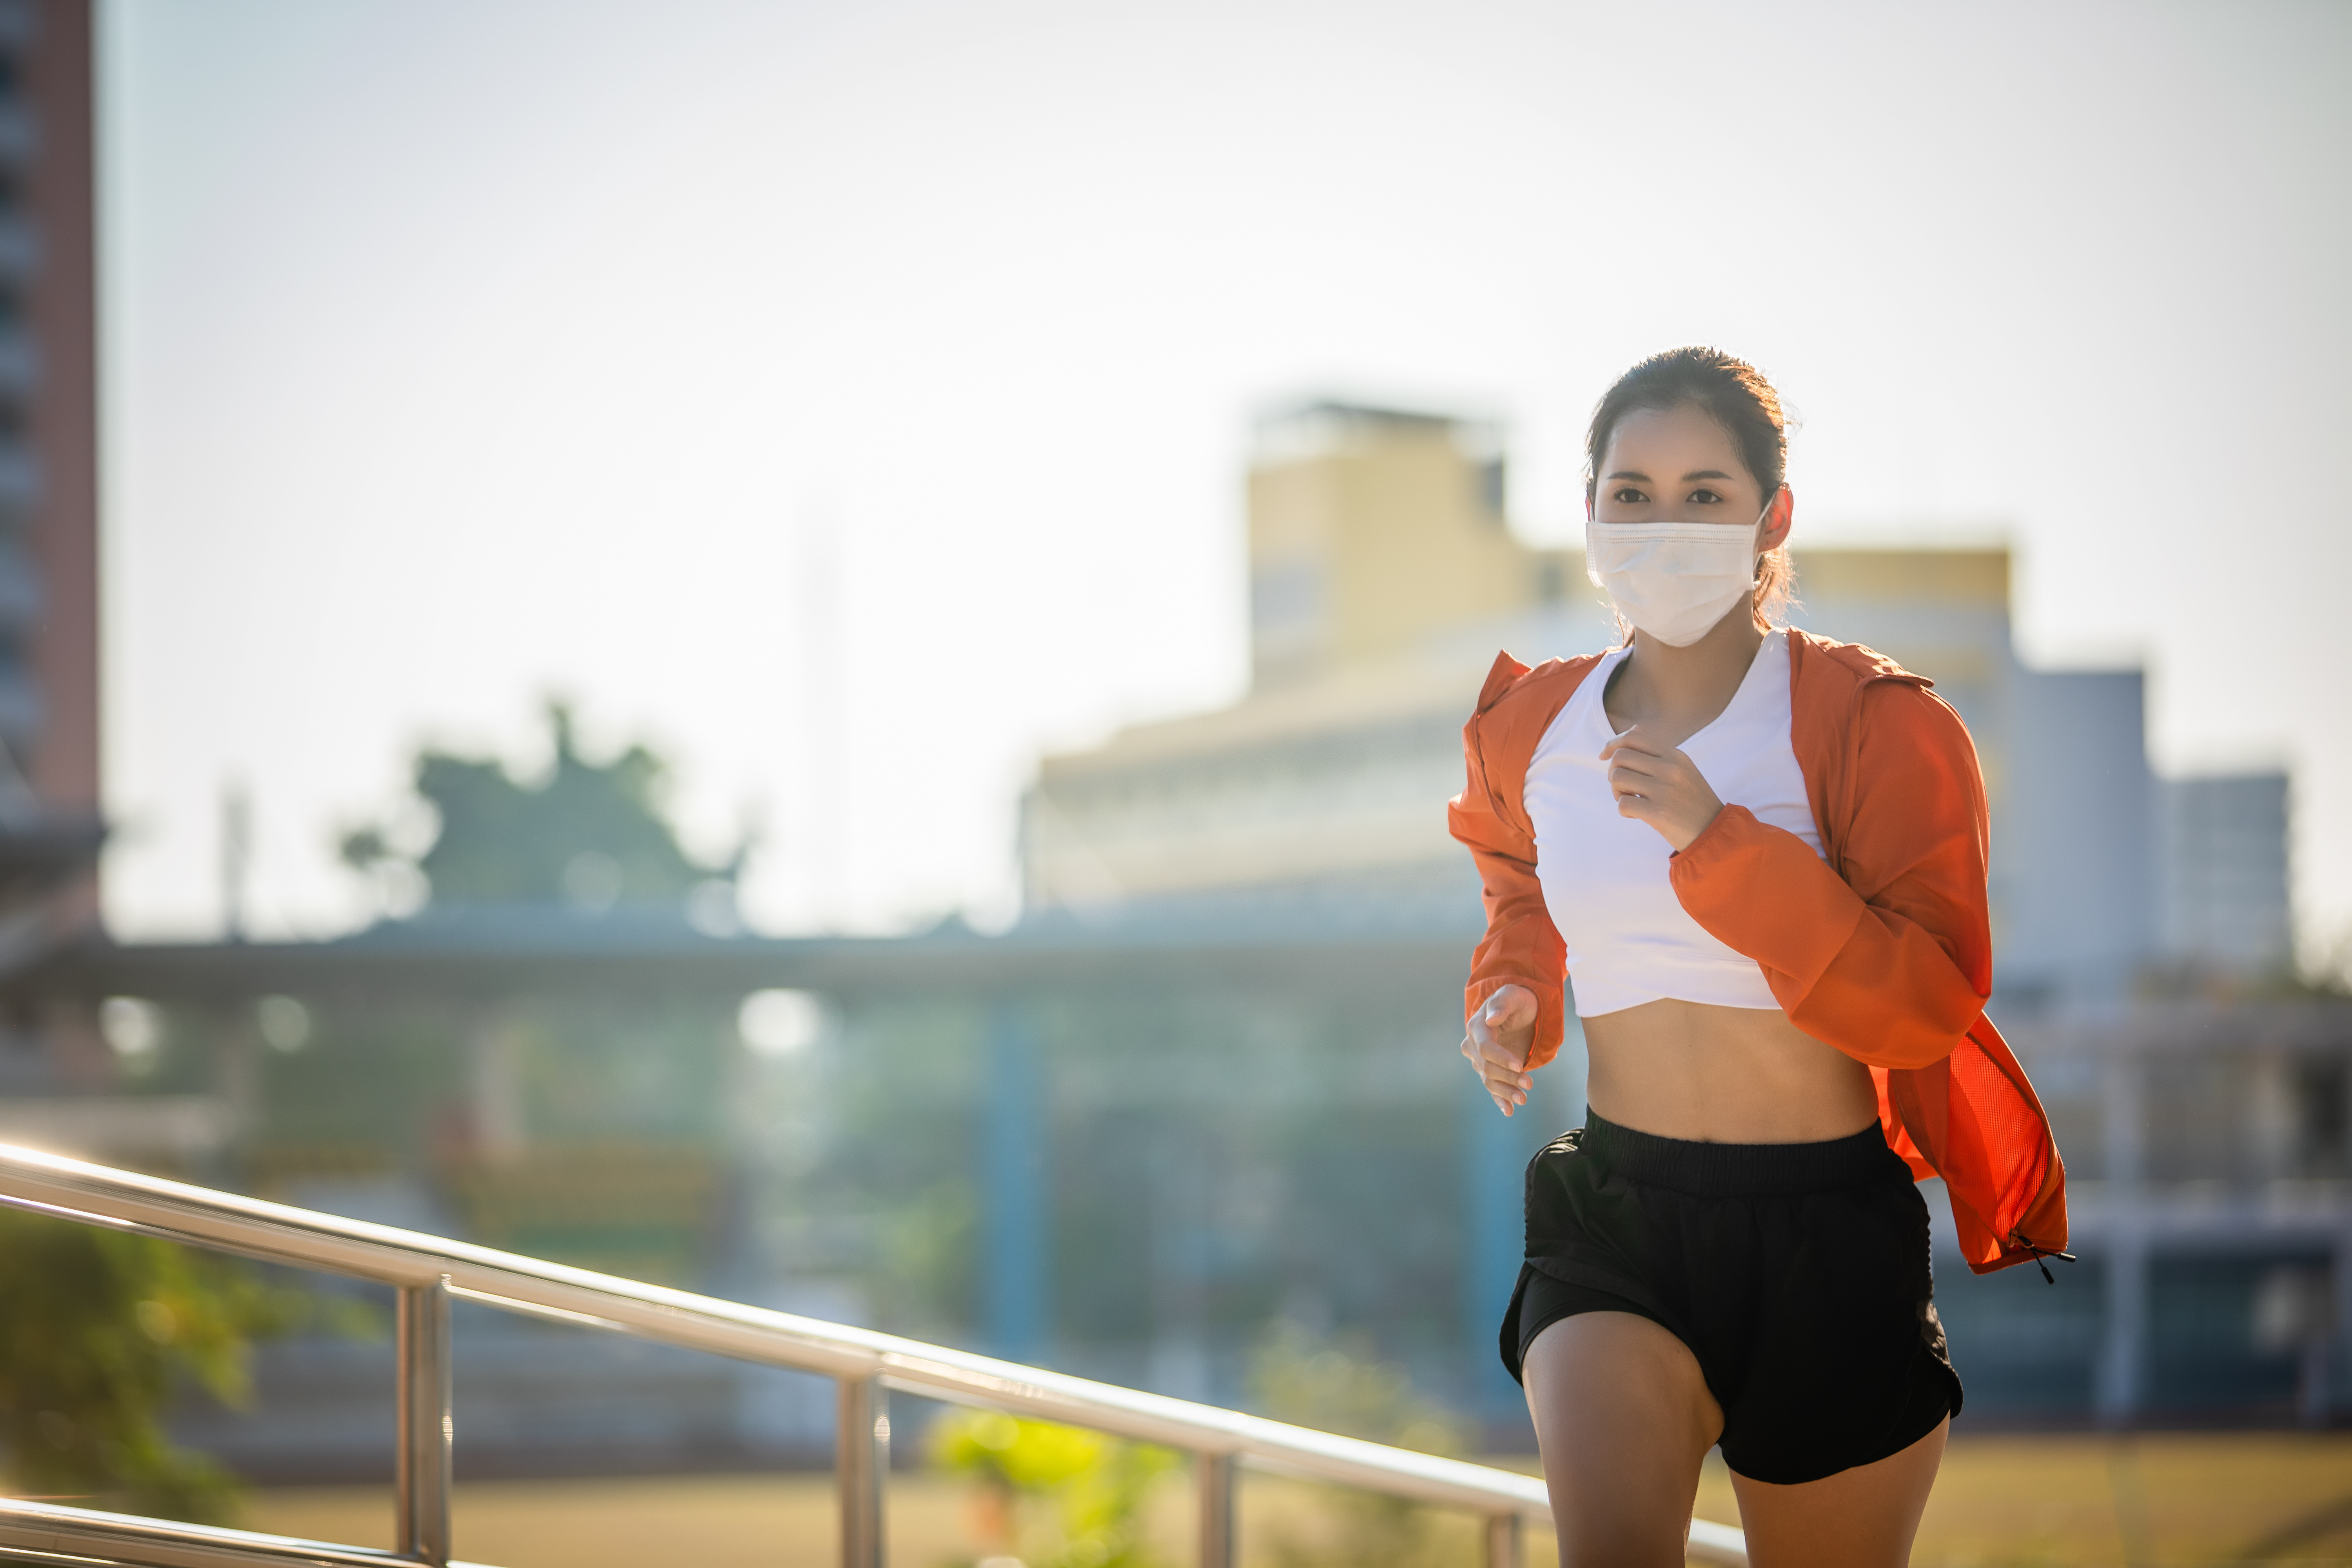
<point>1661,786</point>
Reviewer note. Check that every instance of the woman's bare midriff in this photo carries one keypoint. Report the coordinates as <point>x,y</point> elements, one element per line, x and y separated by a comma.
<point>1723,1074</point>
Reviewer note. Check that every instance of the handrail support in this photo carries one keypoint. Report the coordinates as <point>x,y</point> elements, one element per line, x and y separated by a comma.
<point>861,1468</point>
<point>421,1478</point>
<point>1507,1545</point>
<point>1217,1474</point>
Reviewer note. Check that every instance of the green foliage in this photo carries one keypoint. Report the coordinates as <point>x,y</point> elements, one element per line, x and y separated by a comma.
<point>97,1328</point>
<point>592,833</point>
<point>925,1247</point>
<point>1339,1386</point>
<point>1072,1498</point>
<point>1026,1456</point>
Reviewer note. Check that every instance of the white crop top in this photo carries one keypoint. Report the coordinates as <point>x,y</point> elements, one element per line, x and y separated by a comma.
<point>1604,876</point>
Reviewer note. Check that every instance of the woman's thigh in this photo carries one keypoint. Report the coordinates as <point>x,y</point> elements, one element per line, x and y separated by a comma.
<point>1625,1420</point>
<point>1861,1518</point>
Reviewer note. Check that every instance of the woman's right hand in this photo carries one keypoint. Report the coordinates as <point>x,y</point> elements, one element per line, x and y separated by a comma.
<point>1496,1041</point>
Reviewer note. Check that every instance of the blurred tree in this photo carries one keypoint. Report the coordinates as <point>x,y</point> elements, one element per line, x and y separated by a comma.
<point>1101,1485</point>
<point>593,834</point>
<point>1339,1386</point>
<point>97,1328</point>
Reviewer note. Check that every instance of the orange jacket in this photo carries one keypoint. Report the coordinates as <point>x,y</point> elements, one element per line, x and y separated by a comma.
<point>1884,949</point>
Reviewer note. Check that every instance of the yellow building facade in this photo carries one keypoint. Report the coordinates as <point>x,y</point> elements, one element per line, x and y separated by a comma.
<point>1382,572</point>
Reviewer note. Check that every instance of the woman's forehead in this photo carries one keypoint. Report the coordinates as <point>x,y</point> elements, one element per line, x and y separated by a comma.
<point>1685,429</point>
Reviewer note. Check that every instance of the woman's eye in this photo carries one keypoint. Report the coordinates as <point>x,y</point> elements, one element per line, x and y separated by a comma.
<point>1705,497</point>
<point>1629,497</point>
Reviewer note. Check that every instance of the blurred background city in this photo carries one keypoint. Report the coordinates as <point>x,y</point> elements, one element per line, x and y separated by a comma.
<point>814,653</point>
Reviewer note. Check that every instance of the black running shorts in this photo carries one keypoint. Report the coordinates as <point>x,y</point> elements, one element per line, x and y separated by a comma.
<point>1797,1273</point>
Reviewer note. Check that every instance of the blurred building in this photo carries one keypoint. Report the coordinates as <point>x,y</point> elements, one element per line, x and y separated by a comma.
<point>48,404</point>
<point>2222,861</point>
<point>49,826</point>
<point>1382,578</point>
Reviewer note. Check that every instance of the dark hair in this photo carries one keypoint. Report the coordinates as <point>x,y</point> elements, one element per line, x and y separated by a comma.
<point>1734,394</point>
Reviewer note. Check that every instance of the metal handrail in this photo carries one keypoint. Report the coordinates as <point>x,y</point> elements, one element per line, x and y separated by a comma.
<point>430,1271</point>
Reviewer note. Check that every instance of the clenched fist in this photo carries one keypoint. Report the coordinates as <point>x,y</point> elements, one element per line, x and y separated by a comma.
<point>1660,785</point>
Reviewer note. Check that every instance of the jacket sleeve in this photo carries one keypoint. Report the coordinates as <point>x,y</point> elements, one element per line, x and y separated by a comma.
<point>1891,960</point>
<point>1520,947</point>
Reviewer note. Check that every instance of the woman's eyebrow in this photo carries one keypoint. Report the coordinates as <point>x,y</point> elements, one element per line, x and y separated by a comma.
<point>1630,474</point>
<point>1705,473</point>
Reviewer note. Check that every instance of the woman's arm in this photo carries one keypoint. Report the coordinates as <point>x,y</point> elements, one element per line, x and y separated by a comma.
<point>1892,961</point>
<point>1521,948</point>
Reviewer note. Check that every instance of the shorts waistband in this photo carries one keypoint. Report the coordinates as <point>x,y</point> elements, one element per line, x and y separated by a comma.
<point>1739,1170</point>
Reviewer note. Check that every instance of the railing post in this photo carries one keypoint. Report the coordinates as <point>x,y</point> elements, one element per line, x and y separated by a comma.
<point>861,1450</point>
<point>1505,1540</point>
<point>421,1472</point>
<point>1216,1484</point>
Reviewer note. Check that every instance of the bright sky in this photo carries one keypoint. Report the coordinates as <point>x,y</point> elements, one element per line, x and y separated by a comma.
<point>851,399</point>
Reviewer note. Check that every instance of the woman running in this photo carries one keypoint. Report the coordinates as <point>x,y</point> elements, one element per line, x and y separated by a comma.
<point>1760,856</point>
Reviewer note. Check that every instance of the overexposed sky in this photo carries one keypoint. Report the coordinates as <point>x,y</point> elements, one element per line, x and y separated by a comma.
<point>852,400</point>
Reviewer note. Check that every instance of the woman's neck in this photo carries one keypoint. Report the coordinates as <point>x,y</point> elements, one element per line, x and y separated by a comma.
<point>1677,691</point>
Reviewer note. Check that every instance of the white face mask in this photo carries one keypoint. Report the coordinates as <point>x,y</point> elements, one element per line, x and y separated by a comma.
<point>1671,580</point>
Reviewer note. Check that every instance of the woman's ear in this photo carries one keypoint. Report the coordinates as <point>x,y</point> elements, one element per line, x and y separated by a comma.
<point>1777,516</point>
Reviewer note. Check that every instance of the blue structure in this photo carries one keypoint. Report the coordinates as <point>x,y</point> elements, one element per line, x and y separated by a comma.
<point>1014,1263</point>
